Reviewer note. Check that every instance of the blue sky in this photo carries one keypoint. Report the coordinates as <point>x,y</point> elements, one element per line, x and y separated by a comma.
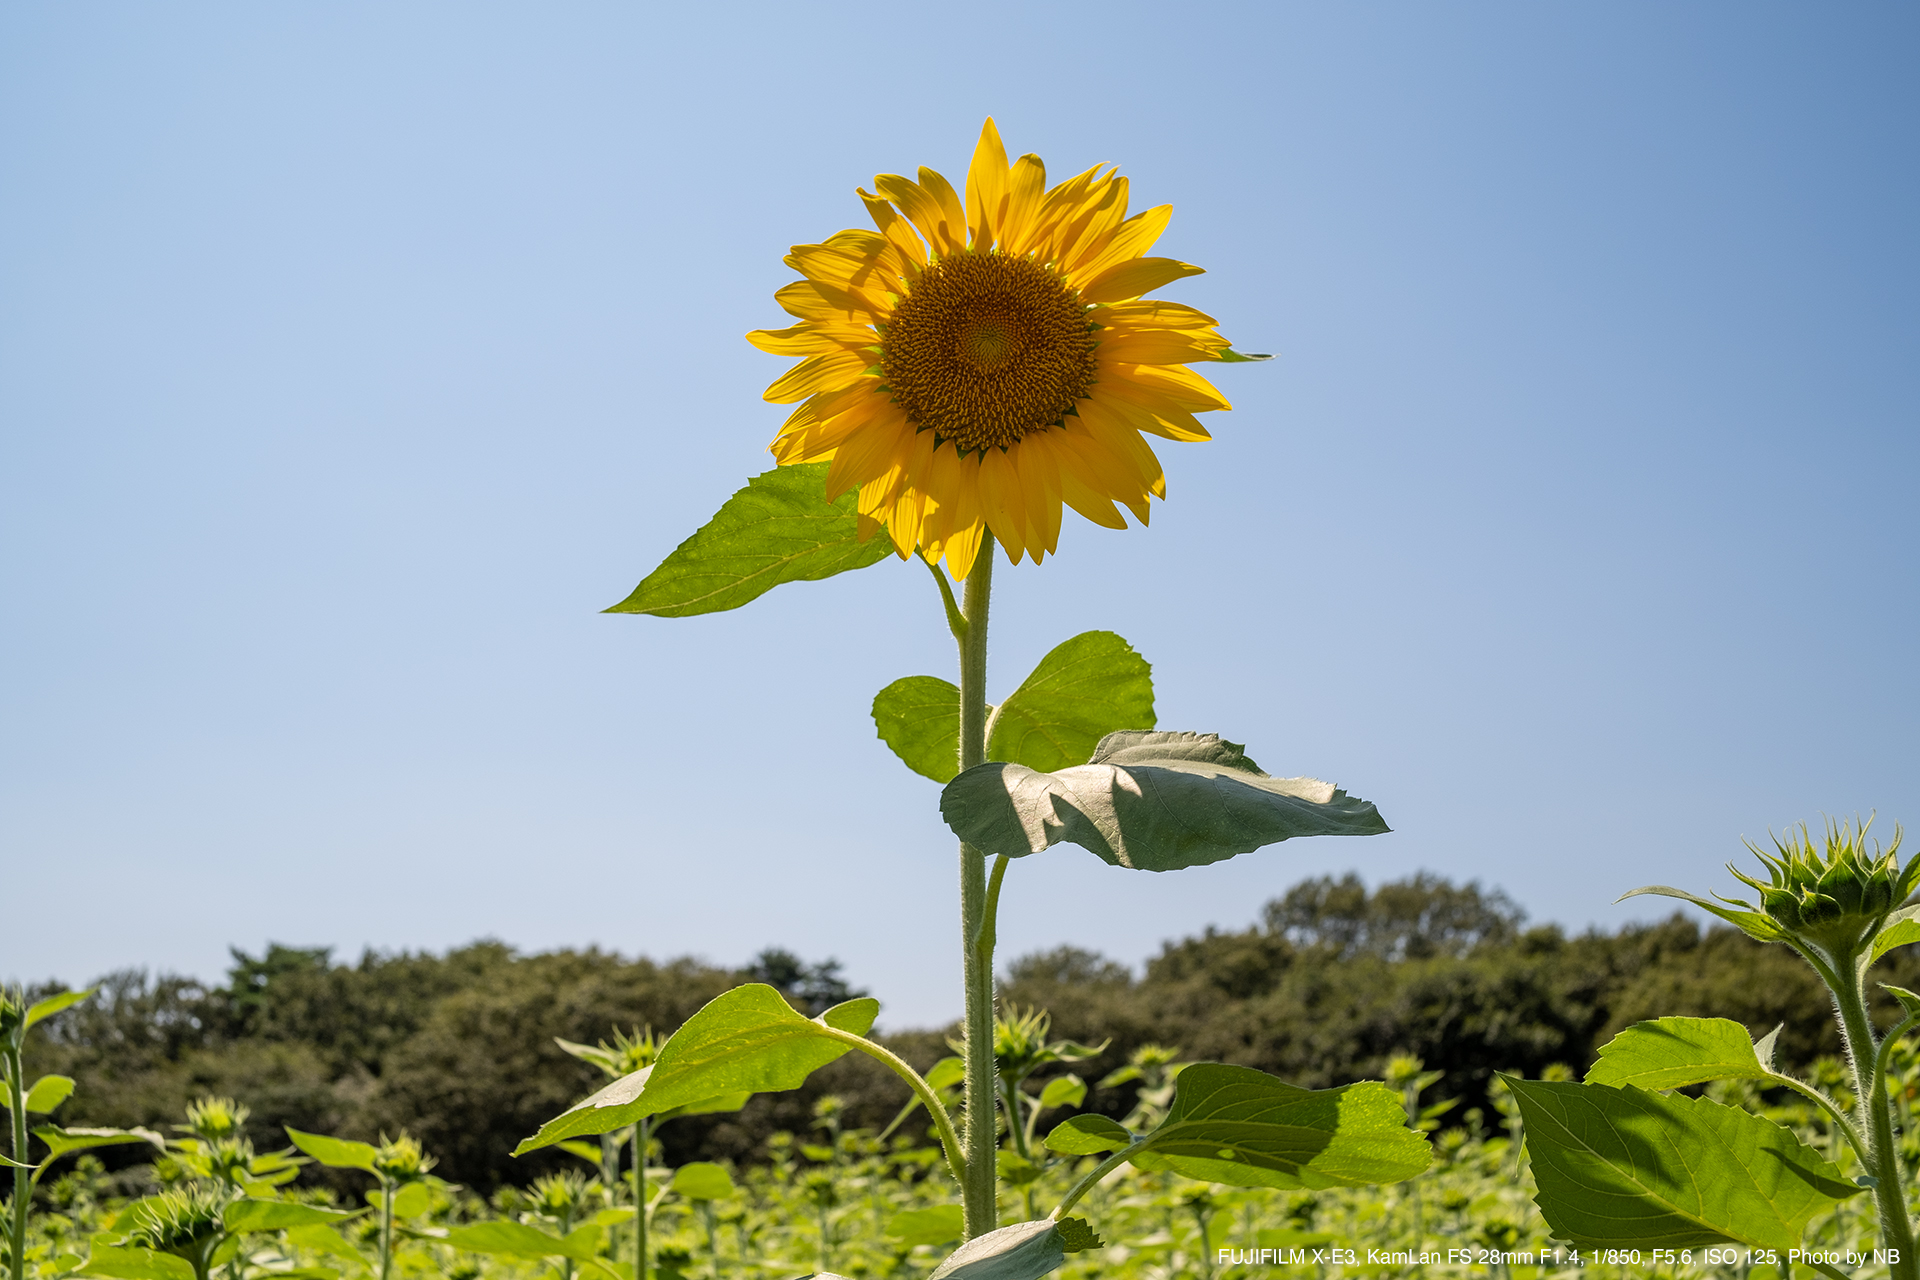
<point>352,356</point>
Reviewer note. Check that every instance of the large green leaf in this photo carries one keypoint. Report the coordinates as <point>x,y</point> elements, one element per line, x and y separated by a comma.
<point>780,528</point>
<point>919,718</point>
<point>1023,1251</point>
<point>748,1040</point>
<point>1086,688</point>
<point>1627,1167</point>
<point>1152,801</point>
<point>1247,1129</point>
<point>134,1264</point>
<point>277,1215</point>
<point>62,1142</point>
<point>1671,1053</point>
<point>335,1153</point>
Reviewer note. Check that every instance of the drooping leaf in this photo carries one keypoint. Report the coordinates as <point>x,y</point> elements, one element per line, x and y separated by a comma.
<point>1248,1129</point>
<point>335,1153</point>
<point>1230,356</point>
<point>780,528</point>
<point>702,1180</point>
<point>1671,1053</point>
<point>1625,1167</point>
<point>1083,690</point>
<point>54,1004</point>
<point>62,1142</point>
<point>1151,801</point>
<point>1086,1135</point>
<point>412,1200</point>
<point>134,1264</point>
<point>748,1040</point>
<point>935,1225</point>
<point>1023,1251</point>
<point>919,718</point>
<point>1755,924</point>
<point>277,1215</point>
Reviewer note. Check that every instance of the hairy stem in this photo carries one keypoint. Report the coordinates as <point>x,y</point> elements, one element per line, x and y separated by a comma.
<point>22,1184</point>
<point>976,936</point>
<point>640,1136</point>
<point>1091,1180</point>
<point>387,1189</point>
<point>942,1124</point>
<point>1896,1230</point>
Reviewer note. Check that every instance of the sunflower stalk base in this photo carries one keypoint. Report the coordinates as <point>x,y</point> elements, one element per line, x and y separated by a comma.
<point>978,1196</point>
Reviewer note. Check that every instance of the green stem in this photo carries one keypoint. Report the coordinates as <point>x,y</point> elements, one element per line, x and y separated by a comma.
<point>942,1123</point>
<point>386,1228</point>
<point>640,1136</point>
<point>1092,1179</point>
<point>976,936</point>
<point>1896,1230</point>
<point>22,1184</point>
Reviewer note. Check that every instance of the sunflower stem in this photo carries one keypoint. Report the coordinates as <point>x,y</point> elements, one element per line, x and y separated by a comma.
<point>980,1191</point>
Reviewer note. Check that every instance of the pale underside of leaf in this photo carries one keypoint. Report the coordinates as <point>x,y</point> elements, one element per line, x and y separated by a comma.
<point>1149,801</point>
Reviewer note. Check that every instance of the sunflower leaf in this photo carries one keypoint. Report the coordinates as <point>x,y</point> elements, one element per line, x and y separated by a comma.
<point>1150,801</point>
<point>1628,1167</point>
<point>1230,356</point>
<point>780,528</point>
<point>1083,690</point>
<point>747,1040</point>
<point>919,718</point>
<point>1249,1129</point>
<point>1671,1053</point>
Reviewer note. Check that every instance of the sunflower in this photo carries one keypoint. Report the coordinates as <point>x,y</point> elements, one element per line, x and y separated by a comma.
<point>974,364</point>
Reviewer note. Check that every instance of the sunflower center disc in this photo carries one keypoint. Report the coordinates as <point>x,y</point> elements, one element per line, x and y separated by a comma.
<point>986,350</point>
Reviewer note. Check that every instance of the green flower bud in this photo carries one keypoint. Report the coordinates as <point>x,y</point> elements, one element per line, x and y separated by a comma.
<point>182,1223</point>
<point>1841,882</point>
<point>1817,909</point>
<point>402,1159</point>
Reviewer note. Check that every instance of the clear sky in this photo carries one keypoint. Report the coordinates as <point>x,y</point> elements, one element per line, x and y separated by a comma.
<point>352,356</point>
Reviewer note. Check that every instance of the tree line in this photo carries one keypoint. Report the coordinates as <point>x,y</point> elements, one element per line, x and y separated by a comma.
<point>1333,981</point>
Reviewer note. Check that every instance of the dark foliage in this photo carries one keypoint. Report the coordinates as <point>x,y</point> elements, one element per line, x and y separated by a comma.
<point>1335,980</point>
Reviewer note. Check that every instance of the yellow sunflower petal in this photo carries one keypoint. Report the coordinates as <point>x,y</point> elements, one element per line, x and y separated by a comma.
<point>1039,472</point>
<point>1150,313</point>
<point>818,439</point>
<point>816,373</point>
<point>1129,240</point>
<point>1158,346</point>
<point>898,231</point>
<point>1168,421</point>
<point>1131,279</point>
<point>810,339</point>
<point>1176,382</point>
<point>1026,186</point>
<point>811,300</point>
<point>924,210</point>
<point>1001,502</point>
<point>867,454</point>
<point>986,187</point>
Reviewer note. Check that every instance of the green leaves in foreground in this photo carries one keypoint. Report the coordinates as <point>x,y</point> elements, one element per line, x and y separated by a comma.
<point>1672,1053</point>
<point>780,528</point>
<point>1086,688</point>
<point>1151,801</point>
<point>749,1040</point>
<point>1247,1129</point>
<point>1630,1168</point>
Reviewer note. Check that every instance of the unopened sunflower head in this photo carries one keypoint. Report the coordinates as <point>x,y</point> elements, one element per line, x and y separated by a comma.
<point>1834,891</point>
<point>182,1222</point>
<point>986,356</point>
<point>402,1159</point>
<point>215,1118</point>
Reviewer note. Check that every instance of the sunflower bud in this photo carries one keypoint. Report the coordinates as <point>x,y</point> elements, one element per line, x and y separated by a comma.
<point>1836,893</point>
<point>402,1160</point>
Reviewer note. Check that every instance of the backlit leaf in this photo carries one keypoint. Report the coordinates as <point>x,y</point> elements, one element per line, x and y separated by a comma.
<point>1755,924</point>
<point>1086,688</point>
<point>1151,801</point>
<point>1901,928</point>
<point>748,1040</point>
<point>47,1093</point>
<point>278,1215</point>
<point>62,1142</point>
<point>780,528</point>
<point>1671,1053</point>
<point>935,1225</point>
<point>335,1153</point>
<point>1248,1129</point>
<point>1087,1135</point>
<point>702,1180</point>
<point>919,718</point>
<point>54,1004</point>
<point>1627,1167</point>
<point>134,1264</point>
